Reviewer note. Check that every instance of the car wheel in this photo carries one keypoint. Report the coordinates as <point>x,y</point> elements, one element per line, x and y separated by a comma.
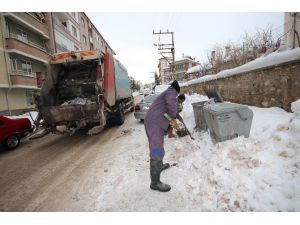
<point>12,141</point>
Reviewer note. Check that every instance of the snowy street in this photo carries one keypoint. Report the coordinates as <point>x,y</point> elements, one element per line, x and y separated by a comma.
<point>110,171</point>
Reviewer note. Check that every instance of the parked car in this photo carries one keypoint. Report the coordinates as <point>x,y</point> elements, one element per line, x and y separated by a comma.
<point>142,107</point>
<point>147,91</point>
<point>12,130</point>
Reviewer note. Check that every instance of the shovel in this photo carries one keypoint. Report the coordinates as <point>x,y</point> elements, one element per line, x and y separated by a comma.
<point>187,129</point>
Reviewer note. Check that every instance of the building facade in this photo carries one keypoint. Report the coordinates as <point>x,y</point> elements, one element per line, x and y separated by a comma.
<point>27,41</point>
<point>24,56</point>
<point>181,66</point>
<point>164,69</point>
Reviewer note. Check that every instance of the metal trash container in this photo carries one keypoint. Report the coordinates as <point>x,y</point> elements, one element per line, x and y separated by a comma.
<point>199,116</point>
<point>227,120</point>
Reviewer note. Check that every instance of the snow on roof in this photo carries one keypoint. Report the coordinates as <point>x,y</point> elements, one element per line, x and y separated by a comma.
<point>194,69</point>
<point>182,59</point>
<point>272,59</point>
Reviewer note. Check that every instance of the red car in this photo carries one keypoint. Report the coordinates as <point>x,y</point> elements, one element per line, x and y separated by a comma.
<point>12,130</point>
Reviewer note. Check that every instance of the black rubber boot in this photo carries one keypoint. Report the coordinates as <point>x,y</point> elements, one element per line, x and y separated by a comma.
<point>155,170</point>
<point>165,166</point>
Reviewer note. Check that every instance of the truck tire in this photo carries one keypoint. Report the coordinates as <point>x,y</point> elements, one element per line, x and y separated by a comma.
<point>120,115</point>
<point>12,142</point>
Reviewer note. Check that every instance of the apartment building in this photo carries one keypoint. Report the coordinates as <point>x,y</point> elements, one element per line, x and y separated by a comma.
<point>27,41</point>
<point>24,56</point>
<point>75,31</point>
<point>180,67</point>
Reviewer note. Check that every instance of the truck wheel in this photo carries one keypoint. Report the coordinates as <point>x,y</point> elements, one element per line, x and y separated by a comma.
<point>120,115</point>
<point>12,141</point>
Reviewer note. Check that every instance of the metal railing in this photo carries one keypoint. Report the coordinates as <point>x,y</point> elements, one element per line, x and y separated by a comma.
<point>25,40</point>
<point>23,73</point>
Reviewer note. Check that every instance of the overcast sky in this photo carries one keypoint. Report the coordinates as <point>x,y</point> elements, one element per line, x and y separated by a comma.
<point>130,34</point>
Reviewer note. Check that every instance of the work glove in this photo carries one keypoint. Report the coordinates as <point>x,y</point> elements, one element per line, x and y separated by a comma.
<point>174,124</point>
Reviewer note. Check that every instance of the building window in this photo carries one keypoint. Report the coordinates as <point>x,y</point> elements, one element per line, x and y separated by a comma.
<point>62,42</point>
<point>13,63</point>
<point>74,31</point>
<point>76,48</point>
<point>82,22</point>
<point>84,39</point>
<point>29,96</point>
<point>22,35</point>
<point>75,16</point>
<point>26,67</point>
<point>65,25</point>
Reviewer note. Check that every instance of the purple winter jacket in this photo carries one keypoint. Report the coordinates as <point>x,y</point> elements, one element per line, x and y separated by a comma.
<point>155,122</point>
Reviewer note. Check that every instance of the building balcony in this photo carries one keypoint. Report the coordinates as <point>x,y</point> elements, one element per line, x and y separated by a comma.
<point>23,80</point>
<point>31,22</point>
<point>27,48</point>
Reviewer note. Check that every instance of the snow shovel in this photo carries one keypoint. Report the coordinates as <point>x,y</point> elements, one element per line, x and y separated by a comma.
<point>187,129</point>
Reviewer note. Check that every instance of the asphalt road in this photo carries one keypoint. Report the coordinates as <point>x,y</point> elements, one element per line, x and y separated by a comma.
<point>58,172</point>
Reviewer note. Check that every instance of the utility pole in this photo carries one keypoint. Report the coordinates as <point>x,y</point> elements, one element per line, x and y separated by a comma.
<point>167,48</point>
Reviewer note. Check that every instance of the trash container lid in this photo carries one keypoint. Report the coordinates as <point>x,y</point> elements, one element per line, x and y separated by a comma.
<point>223,107</point>
<point>197,104</point>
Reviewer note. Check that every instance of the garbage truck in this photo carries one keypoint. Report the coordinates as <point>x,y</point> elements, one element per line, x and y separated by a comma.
<point>84,88</point>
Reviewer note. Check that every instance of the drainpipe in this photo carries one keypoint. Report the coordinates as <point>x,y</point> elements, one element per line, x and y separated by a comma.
<point>52,28</point>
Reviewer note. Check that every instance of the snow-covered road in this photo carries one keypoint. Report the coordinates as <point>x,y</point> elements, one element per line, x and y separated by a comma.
<point>110,171</point>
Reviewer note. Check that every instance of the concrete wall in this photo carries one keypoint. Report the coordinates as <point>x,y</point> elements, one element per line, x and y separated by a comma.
<point>17,102</point>
<point>3,103</point>
<point>273,86</point>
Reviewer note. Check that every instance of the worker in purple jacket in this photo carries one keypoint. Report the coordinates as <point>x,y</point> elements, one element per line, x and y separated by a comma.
<point>156,125</point>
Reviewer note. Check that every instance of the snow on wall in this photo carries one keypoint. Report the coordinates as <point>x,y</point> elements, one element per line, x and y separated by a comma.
<point>272,59</point>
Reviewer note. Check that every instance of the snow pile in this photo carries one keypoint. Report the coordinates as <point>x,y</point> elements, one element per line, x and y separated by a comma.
<point>259,173</point>
<point>78,101</point>
<point>296,106</point>
<point>188,113</point>
<point>274,58</point>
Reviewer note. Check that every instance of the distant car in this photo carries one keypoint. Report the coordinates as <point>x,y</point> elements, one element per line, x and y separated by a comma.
<point>147,91</point>
<point>142,107</point>
<point>12,130</point>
